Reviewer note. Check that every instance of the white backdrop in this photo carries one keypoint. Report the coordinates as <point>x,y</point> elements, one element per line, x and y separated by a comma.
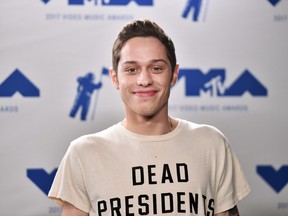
<point>46,45</point>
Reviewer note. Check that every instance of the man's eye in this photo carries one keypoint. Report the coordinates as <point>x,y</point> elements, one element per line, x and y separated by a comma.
<point>157,69</point>
<point>131,70</point>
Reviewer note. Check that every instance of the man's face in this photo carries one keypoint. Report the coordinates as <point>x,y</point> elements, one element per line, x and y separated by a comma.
<point>144,76</point>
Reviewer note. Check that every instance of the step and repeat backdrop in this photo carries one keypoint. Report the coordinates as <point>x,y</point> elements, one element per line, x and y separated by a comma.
<point>233,58</point>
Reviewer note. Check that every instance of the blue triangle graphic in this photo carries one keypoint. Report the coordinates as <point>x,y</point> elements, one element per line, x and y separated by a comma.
<point>274,2</point>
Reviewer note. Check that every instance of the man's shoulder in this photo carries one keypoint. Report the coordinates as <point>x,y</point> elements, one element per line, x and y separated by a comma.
<point>199,126</point>
<point>95,138</point>
<point>202,128</point>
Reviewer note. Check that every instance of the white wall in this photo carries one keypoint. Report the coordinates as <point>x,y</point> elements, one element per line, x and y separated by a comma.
<point>54,43</point>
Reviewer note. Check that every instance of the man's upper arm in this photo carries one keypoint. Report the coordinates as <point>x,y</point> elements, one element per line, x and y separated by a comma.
<point>230,212</point>
<point>70,210</point>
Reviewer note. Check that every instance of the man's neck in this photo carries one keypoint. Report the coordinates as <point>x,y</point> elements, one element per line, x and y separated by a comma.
<point>149,125</point>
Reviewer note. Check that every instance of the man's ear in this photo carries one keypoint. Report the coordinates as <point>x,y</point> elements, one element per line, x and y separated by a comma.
<point>114,78</point>
<point>175,75</point>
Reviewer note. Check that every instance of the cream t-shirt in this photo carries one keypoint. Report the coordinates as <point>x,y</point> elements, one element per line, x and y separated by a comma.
<point>190,171</point>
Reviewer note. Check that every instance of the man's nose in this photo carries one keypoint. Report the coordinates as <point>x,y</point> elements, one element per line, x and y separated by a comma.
<point>144,78</point>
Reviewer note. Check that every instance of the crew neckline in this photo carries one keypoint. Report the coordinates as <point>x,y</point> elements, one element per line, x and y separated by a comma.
<point>162,137</point>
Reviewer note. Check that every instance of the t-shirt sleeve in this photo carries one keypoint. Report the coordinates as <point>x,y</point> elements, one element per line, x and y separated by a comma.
<point>232,184</point>
<point>69,182</point>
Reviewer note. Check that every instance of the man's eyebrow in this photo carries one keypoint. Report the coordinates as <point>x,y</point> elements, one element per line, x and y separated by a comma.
<point>130,62</point>
<point>159,60</point>
<point>152,61</point>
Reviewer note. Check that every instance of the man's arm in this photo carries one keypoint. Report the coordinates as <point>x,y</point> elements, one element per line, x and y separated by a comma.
<point>230,212</point>
<point>70,210</point>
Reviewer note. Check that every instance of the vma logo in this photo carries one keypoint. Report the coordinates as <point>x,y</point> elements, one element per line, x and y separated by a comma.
<point>85,90</point>
<point>108,2</point>
<point>274,2</point>
<point>41,178</point>
<point>18,82</point>
<point>276,179</point>
<point>213,83</point>
<point>113,2</point>
<point>195,8</point>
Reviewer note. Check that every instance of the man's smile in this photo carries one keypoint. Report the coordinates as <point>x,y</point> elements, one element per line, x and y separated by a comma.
<point>145,93</point>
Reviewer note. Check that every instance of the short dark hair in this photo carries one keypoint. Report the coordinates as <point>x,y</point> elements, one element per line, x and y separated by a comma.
<point>142,28</point>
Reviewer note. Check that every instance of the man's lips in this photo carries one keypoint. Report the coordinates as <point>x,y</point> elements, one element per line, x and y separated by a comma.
<point>145,93</point>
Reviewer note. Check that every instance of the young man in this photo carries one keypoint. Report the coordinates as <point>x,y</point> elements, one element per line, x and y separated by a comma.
<point>150,163</point>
